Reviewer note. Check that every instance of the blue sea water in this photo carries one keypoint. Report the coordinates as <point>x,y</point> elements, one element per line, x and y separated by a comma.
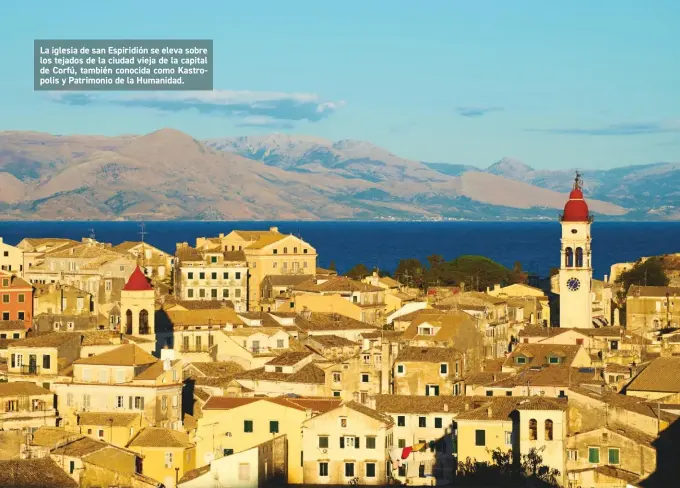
<point>534,244</point>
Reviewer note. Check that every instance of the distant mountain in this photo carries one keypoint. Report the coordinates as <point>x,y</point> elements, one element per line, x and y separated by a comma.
<point>169,175</point>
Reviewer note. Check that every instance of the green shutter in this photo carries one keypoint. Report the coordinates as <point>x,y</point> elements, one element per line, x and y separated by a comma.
<point>613,456</point>
<point>594,455</point>
<point>480,437</point>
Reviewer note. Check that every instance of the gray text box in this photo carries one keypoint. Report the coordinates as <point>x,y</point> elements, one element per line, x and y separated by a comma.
<point>130,64</point>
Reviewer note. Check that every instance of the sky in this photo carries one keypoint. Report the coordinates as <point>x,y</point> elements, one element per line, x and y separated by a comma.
<point>557,85</point>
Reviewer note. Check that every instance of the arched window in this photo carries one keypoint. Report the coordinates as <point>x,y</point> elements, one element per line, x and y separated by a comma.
<point>568,257</point>
<point>548,430</point>
<point>579,257</point>
<point>143,322</point>
<point>533,430</point>
<point>285,250</point>
<point>128,322</point>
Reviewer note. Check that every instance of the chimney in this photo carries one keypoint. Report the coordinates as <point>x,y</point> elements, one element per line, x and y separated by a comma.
<point>467,407</point>
<point>496,287</point>
<point>606,278</point>
<point>446,407</point>
<point>166,364</point>
<point>221,235</point>
<point>489,412</point>
<point>0,240</point>
<point>273,229</point>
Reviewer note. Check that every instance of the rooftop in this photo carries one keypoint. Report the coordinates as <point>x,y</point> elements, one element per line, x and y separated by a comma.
<point>22,388</point>
<point>157,437</point>
<point>316,404</point>
<point>137,281</point>
<point>289,358</point>
<point>309,374</point>
<point>660,375</point>
<point>335,284</point>
<point>51,339</point>
<point>34,473</point>
<point>428,354</point>
<point>125,355</point>
<point>114,419</point>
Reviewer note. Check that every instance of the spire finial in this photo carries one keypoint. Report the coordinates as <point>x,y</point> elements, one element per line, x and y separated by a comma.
<point>578,181</point>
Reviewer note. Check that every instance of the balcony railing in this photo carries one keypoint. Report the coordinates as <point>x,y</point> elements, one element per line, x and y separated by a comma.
<point>201,348</point>
<point>30,369</point>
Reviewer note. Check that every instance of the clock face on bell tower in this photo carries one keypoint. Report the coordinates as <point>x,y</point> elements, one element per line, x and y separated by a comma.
<point>573,284</point>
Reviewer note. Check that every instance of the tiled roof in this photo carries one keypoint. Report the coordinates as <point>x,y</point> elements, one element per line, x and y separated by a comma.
<point>261,239</point>
<point>211,316</point>
<point>623,430</point>
<point>330,322</point>
<point>428,354</point>
<point>538,353</point>
<point>157,437</point>
<point>197,304</point>
<point>449,323</point>
<point>16,388</point>
<point>389,282</point>
<point>547,376</point>
<point>231,256</point>
<point>419,404</point>
<point>490,408</point>
<point>34,473</point>
<point>325,272</point>
<point>195,473</point>
<point>662,375</point>
<point>80,447</point>
<point>51,339</point>
<point>12,325</point>
<point>250,331</point>
<point>309,374</point>
<point>335,283</point>
<point>289,358</point>
<point>543,403</point>
<point>113,459</point>
<point>188,253</point>
<point>108,418</point>
<point>46,436</point>
<point>626,402</point>
<point>215,369</point>
<point>287,280</point>
<point>369,412</point>
<point>316,405</point>
<point>332,341</point>
<point>154,371</point>
<point>652,291</point>
<point>125,355</point>
<point>84,251</point>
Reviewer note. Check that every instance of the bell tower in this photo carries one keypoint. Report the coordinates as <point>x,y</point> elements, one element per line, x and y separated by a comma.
<point>576,273</point>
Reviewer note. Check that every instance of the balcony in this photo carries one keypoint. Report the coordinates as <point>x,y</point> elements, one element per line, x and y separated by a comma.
<point>197,348</point>
<point>30,369</point>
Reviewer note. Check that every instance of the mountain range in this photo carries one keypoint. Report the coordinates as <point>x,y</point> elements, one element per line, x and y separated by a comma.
<point>170,175</point>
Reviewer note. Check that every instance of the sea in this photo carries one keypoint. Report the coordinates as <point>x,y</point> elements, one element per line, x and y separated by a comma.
<point>536,245</point>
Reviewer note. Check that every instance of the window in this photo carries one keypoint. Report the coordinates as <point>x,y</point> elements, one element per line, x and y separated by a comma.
<point>489,392</point>
<point>444,369</point>
<point>401,369</point>
<point>336,393</point>
<point>533,430</point>
<point>213,275</point>
<point>201,275</point>
<point>5,315</point>
<point>553,360</point>
<point>190,275</point>
<point>520,360</point>
<point>69,399</point>
<point>594,455</point>
<point>480,437</point>
<point>213,259</point>
<point>102,376</point>
<point>343,422</point>
<point>139,403</point>
<point>244,472</point>
<point>101,433</point>
<point>21,298</point>
<point>86,401</point>
<point>119,402</point>
<point>548,430</point>
<point>5,298</point>
<point>273,426</point>
<point>613,455</point>
<point>508,438</point>
<point>337,377</point>
<point>572,454</point>
<point>364,377</point>
<point>164,403</point>
<point>71,467</point>
<point>370,442</point>
<point>190,293</point>
<point>323,442</point>
<point>86,374</point>
<point>402,470</point>
<point>370,470</point>
<point>227,452</point>
<point>401,421</point>
<point>323,469</point>
<point>349,470</point>
<point>238,275</point>
<point>422,421</point>
<point>21,315</point>
<point>438,422</point>
<point>247,426</point>
<point>508,393</point>
<point>237,293</point>
<point>46,361</point>
<point>579,342</point>
<point>201,293</point>
<point>401,443</point>
<point>432,390</point>
<point>213,293</point>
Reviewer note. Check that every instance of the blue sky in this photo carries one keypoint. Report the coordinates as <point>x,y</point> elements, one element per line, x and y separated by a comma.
<point>555,84</point>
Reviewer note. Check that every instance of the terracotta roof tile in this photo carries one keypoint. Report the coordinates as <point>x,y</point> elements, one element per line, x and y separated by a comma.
<point>80,447</point>
<point>108,418</point>
<point>157,437</point>
<point>428,354</point>
<point>369,412</point>
<point>34,473</point>
<point>419,404</point>
<point>289,358</point>
<point>125,355</point>
<point>22,388</point>
<point>51,339</point>
<point>332,341</point>
<point>309,374</point>
<point>330,322</point>
<point>335,284</point>
<point>662,375</point>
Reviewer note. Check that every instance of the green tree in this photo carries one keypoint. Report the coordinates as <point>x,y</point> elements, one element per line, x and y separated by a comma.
<point>435,260</point>
<point>332,266</point>
<point>477,272</point>
<point>358,272</point>
<point>507,470</point>
<point>410,272</point>
<point>648,273</point>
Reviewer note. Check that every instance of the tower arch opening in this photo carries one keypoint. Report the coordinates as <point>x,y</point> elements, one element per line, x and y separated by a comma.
<point>568,257</point>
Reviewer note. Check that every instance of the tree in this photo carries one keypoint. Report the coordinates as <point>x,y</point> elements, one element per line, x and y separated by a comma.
<point>645,273</point>
<point>435,260</point>
<point>477,272</point>
<point>410,272</point>
<point>529,470</point>
<point>332,266</point>
<point>358,272</point>
<point>517,275</point>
